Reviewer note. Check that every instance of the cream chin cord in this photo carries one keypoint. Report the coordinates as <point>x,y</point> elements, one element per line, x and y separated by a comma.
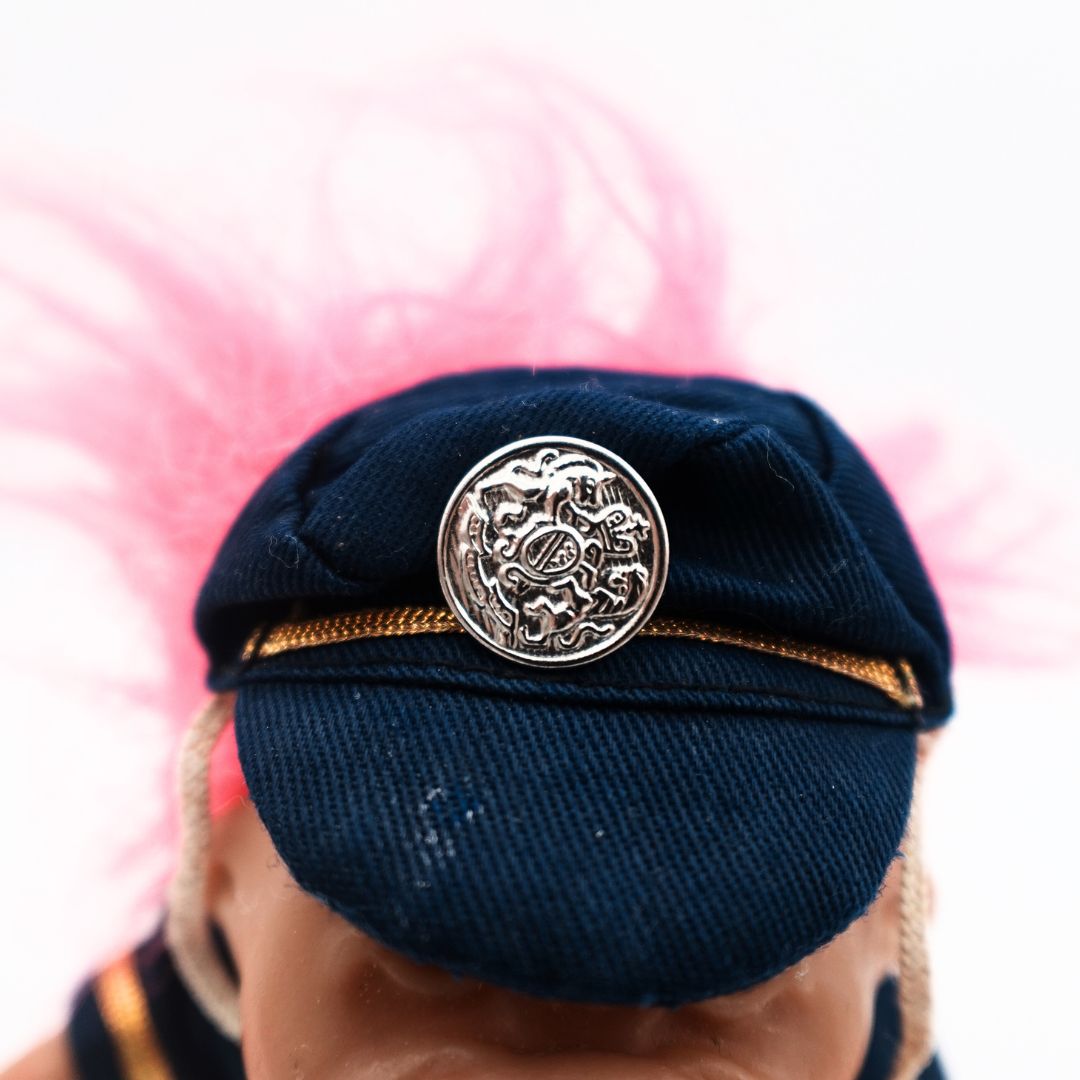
<point>187,931</point>
<point>916,1004</point>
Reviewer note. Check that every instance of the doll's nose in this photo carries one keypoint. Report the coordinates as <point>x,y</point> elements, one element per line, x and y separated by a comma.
<point>520,1024</point>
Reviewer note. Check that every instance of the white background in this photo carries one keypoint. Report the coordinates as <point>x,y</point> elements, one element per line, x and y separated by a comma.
<point>899,185</point>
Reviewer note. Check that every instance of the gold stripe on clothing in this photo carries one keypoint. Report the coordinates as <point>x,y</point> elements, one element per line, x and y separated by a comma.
<point>124,1009</point>
<point>897,680</point>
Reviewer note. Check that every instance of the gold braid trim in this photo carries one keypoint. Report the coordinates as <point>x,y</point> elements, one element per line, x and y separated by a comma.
<point>124,1010</point>
<point>897,680</point>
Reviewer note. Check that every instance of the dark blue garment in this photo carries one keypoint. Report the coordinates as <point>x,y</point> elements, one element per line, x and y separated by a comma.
<point>194,1050</point>
<point>189,1044</point>
<point>885,1038</point>
<point>674,821</point>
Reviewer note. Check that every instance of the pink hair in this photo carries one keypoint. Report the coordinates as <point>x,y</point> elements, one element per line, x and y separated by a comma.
<point>222,364</point>
<point>189,399</point>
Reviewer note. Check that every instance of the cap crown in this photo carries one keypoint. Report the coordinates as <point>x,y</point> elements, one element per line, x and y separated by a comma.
<point>776,520</point>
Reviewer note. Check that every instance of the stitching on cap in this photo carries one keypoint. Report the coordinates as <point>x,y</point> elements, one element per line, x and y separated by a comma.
<point>341,675</point>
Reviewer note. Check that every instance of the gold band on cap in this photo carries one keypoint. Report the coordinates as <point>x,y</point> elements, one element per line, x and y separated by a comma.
<point>897,680</point>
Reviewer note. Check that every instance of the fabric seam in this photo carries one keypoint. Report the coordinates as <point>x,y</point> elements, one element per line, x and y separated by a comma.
<point>323,674</point>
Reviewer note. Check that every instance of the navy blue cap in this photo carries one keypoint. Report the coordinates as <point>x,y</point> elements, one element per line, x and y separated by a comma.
<point>677,819</point>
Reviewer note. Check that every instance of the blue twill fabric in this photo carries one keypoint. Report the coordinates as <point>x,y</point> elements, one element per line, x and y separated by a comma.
<point>675,820</point>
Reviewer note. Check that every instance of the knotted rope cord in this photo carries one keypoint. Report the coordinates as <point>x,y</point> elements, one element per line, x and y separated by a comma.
<point>916,1040</point>
<point>187,930</point>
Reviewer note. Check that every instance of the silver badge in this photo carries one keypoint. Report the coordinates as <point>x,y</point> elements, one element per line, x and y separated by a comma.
<point>552,551</point>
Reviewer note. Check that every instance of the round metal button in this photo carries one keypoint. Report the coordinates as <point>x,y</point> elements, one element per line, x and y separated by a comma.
<point>552,551</point>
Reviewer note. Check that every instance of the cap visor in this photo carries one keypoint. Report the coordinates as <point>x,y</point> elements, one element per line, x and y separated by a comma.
<point>605,849</point>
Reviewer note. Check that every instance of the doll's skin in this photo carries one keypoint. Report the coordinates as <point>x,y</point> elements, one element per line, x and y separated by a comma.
<point>320,1000</point>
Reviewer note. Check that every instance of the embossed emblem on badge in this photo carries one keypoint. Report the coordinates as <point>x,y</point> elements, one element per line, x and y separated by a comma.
<point>552,551</point>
